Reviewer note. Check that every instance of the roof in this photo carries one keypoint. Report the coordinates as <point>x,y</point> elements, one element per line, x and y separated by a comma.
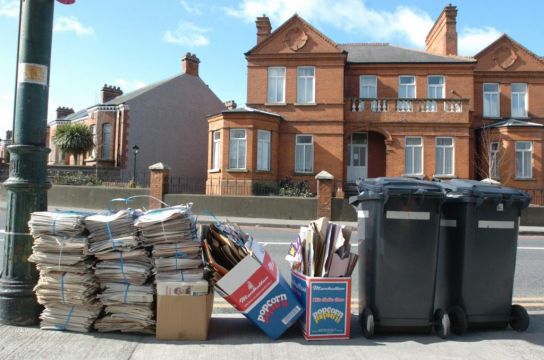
<point>385,53</point>
<point>249,110</point>
<point>512,123</point>
<point>131,95</point>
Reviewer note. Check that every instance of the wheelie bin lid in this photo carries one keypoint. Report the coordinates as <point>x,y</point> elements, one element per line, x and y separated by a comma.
<point>474,190</point>
<point>384,187</point>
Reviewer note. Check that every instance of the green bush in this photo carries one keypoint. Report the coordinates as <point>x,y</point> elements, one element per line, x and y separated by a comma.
<point>264,188</point>
<point>288,187</point>
<point>75,178</point>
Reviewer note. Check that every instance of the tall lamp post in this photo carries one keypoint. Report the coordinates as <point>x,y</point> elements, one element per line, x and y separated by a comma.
<point>27,183</point>
<point>135,150</point>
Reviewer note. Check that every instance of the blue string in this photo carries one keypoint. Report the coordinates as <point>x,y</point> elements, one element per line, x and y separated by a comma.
<point>122,266</point>
<point>111,236</point>
<point>126,293</point>
<point>63,327</point>
<point>62,287</point>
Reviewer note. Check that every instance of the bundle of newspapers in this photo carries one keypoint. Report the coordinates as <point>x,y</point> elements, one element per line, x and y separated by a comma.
<point>67,286</point>
<point>123,268</point>
<point>323,249</point>
<point>176,247</point>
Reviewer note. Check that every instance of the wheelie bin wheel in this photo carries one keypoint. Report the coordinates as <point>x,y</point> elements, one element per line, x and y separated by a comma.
<point>368,323</point>
<point>519,318</point>
<point>458,319</point>
<point>442,323</point>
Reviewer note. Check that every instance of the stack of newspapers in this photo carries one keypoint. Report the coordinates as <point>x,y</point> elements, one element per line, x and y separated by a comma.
<point>176,247</point>
<point>124,270</point>
<point>67,286</point>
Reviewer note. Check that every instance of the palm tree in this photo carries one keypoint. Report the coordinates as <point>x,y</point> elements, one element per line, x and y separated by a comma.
<point>74,139</point>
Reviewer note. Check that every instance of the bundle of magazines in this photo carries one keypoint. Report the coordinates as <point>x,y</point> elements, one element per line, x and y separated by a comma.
<point>124,270</point>
<point>176,248</point>
<point>323,249</point>
<point>223,247</point>
<point>67,286</point>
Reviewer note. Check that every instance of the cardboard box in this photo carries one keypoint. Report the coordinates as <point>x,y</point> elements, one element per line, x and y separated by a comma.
<point>183,317</point>
<point>327,302</point>
<point>256,288</point>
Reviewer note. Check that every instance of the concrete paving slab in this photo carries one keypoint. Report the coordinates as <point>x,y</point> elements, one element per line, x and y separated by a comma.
<point>234,337</point>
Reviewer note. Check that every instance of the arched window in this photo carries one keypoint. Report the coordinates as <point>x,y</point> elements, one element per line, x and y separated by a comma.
<point>106,141</point>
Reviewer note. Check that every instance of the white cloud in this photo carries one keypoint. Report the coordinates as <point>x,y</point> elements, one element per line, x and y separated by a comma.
<point>129,85</point>
<point>9,8</point>
<point>187,34</point>
<point>71,23</point>
<point>403,24</point>
<point>472,40</point>
<point>191,9</point>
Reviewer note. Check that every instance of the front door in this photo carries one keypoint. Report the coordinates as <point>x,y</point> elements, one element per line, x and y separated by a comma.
<point>358,157</point>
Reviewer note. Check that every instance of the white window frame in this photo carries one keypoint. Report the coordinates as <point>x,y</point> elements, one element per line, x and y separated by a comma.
<point>274,98</point>
<point>443,160</point>
<point>413,147</point>
<point>525,173</point>
<point>362,86</point>
<point>216,150</point>
<point>518,94</point>
<point>107,145</point>
<point>95,140</point>
<point>407,85</point>
<point>486,110</point>
<point>263,158</point>
<point>306,79</point>
<point>494,161</point>
<point>434,86</point>
<point>234,144</point>
<point>300,169</point>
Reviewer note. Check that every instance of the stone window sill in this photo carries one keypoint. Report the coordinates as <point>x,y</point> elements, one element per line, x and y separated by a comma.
<point>303,173</point>
<point>214,171</point>
<point>238,170</point>
<point>525,179</point>
<point>275,104</point>
<point>305,104</point>
<point>263,171</point>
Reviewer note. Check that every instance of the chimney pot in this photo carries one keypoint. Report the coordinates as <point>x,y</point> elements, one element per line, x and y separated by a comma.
<point>189,64</point>
<point>231,104</point>
<point>110,92</point>
<point>63,112</point>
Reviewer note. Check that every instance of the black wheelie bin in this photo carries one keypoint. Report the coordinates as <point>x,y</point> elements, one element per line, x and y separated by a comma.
<point>398,227</point>
<point>477,260</point>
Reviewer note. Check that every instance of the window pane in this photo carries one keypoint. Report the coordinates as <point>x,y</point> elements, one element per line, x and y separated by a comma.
<point>367,88</point>
<point>359,138</point>
<point>436,80</point>
<point>439,160</point>
<point>448,161</point>
<point>276,84</point>
<point>405,80</point>
<point>418,166</point>
<point>408,163</point>
<point>491,87</point>
<point>519,87</point>
<point>523,145</point>
<point>238,134</point>
<point>304,139</point>
<point>264,135</point>
<point>519,164</point>
<point>106,141</point>
<point>413,141</point>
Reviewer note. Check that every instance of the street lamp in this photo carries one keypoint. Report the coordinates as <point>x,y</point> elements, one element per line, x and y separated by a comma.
<point>135,150</point>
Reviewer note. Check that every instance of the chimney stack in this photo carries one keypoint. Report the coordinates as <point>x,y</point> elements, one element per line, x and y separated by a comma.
<point>231,104</point>
<point>442,39</point>
<point>9,134</point>
<point>110,92</point>
<point>263,28</point>
<point>63,112</point>
<point>189,64</point>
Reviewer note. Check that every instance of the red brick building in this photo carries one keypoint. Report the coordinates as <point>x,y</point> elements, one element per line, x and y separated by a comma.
<point>369,110</point>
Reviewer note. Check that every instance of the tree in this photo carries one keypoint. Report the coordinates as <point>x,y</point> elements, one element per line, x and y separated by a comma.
<point>74,139</point>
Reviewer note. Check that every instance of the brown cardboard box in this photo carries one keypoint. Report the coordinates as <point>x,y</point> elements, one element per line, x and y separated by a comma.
<point>183,317</point>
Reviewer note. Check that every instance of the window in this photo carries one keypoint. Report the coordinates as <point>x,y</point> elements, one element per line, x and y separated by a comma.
<point>263,150</point>
<point>444,156</point>
<point>519,100</point>
<point>524,156</point>
<point>237,154</point>
<point>491,100</point>
<point>53,153</point>
<point>216,149</point>
<point>494,159</point>
<point>276,85</point>
<point>106,141</point>
<point>304,154</point>
<point>305,85</point>
<point>435,87</point>
<point>407,87</point>
<point>413,156</point>
<point>368,87</point>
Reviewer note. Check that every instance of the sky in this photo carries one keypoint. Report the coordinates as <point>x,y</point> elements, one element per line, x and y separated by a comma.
<point>133,43</point>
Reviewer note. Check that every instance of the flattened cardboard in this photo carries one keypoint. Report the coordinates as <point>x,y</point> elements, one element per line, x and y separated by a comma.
<point>327,305</point>
<point>183,317</point>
